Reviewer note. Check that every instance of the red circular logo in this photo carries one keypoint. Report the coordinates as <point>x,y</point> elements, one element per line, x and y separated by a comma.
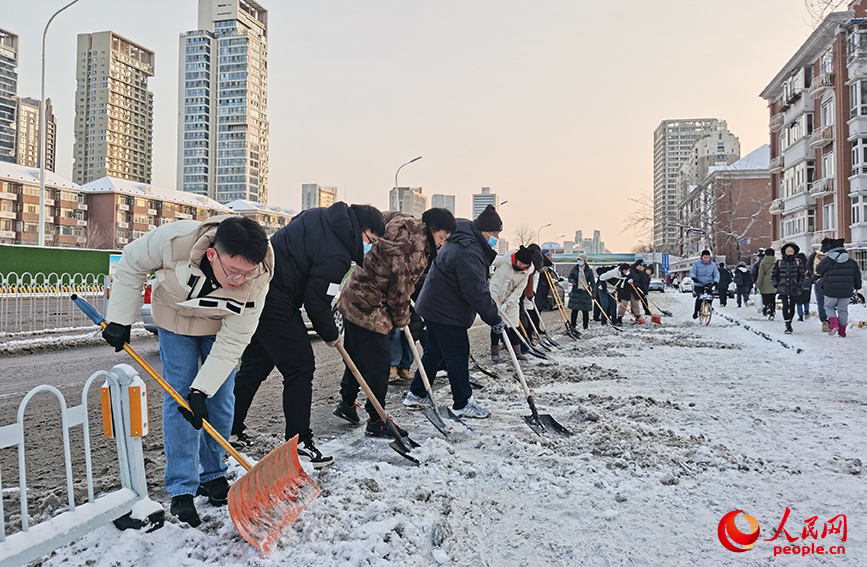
<point>730,536</point>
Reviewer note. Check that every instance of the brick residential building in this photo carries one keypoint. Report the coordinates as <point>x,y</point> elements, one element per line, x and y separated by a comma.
<point>818,125</point>
<point>271,217</point>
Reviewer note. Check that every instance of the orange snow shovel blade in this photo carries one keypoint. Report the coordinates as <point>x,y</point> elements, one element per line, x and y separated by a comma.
<point>271,496</point>
<point>656,319</point>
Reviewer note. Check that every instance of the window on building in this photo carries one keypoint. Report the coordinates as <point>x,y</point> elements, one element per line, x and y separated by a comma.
<point>829,216</point>
<point>829,166</point>
<point>827,113</point>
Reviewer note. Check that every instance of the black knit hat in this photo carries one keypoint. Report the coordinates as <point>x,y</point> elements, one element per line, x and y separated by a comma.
<point>770,252</point>
<point>524,255</point>
<point>489,220</point>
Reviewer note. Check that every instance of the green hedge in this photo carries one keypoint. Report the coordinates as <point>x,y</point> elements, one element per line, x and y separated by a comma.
<point>33,259</point>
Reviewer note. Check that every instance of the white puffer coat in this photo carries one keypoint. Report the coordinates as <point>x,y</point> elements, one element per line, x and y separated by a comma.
<point>507,285</point>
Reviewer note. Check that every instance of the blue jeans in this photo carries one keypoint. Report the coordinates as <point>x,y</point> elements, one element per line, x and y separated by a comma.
<point>820,302</point>
<point>192,457</point>
<point>452,345</point>
<point>401,356</point>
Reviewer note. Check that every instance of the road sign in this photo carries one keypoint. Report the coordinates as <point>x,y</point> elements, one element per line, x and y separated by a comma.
<point>665,263</point>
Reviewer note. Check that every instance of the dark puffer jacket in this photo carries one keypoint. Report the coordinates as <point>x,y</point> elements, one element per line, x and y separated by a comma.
<point>579,299</point>
<point>788,273</point>
<point>313,253</point>
<point>456,287</point>
<point>840,274</point>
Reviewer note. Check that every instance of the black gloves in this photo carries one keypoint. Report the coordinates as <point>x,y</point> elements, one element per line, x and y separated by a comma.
<point>116,335</point>
<point>199,404</point>
<point>498,328</point>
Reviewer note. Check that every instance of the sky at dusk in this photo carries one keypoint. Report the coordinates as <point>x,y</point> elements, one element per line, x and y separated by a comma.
<point>551,104</point>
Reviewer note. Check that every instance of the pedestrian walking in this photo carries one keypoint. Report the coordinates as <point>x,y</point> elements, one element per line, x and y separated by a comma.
<point>787,276</point>
<point>725,278</point>
<point>743,283</point>
<point>313,255</point>
<point>813,262</point>
<point>210,287</point>
<point>803,301</point>
<point>705,275</point>
<point>376,299</point>
<point>580,299</point>
<point>764,283</point>
<point>456,289</point>
<point>840,278</point>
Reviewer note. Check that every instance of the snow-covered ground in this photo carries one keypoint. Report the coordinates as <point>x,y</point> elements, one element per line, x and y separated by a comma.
<point>675,426</point>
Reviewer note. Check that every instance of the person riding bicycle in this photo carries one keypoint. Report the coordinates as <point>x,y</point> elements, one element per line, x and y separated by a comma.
<point>705,275</point>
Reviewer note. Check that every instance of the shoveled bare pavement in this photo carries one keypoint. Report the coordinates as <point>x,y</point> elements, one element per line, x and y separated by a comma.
<point>69,369</point>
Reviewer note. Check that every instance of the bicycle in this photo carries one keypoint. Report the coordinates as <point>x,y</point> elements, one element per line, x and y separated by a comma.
<point>706,310</point>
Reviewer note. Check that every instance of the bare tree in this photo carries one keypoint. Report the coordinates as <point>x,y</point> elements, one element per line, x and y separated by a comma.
<point>640,221</point>
<point>524,235</point>
<point>642,248</point>
<point>817,10</point>
<point>96,236</point>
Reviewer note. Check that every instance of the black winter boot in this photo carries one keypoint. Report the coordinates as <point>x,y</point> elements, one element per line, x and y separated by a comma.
<point>788,327</point>
<point>185,510</point>
<point>495,354</point>
<point>347,411</point>
<point>216,490</point>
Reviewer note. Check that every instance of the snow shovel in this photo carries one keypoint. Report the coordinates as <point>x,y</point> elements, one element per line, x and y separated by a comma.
<point>538,334</point>
<point>610,322</point>
<point>482,369</point>
<point>433,413</point>
<point>561,308</point>
<point>623,306</point>
<point>539,423</point>
<point>654,318</point>
<point>402,445</point>
<point>535,352</point>
<point>271,495</point>
<point>551,341</point>
<point>530,338</point>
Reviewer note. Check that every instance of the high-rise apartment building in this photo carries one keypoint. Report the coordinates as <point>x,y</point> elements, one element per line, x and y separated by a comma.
<point>314,195</point>
<point>408,200</point>
<point>8,90</point>
<point>672,142</point>
<point>714,150</point>
<point>440,201</point>
<point>818,130</point>
<point>223,103</point>
<point>483,199</point>
<point>113,109</point>
<point>27,133</point>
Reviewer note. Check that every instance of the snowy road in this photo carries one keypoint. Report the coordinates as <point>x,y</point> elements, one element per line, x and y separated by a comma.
<point>675,426</point>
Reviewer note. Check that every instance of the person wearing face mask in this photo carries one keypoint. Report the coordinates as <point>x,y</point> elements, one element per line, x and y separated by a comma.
<point>376,300</point>
<point>313,254</point>
<point>787,276</point>
<point>511,273</point>
<point>580,299</point>
<point>456,289</point>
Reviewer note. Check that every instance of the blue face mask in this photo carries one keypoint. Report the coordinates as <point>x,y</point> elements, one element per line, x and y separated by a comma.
<point>367,247</point>
<point>492,241</point>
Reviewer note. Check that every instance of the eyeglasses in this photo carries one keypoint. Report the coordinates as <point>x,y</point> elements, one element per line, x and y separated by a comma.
<point>234,277</point>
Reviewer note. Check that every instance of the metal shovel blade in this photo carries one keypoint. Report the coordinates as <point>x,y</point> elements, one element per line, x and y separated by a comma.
<point>543,423</point>
<point>271,496</point>
<point>451,431</point>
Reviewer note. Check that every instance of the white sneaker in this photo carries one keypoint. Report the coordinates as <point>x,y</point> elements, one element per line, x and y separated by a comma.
<point>416,402</point>
<point>472,409</point>
<point>442,374</point>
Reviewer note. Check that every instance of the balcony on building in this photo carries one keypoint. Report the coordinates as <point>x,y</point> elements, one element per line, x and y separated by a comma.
<point>122,207</point>
<point>821,84</point>
<point>797,151</point>
<point>777,122</point>
<point>799,199</point>
<point>822,187</point>
<point>822,136</point>
<point>777,164</point>
<point>859,232</point>
<point>776,207</point>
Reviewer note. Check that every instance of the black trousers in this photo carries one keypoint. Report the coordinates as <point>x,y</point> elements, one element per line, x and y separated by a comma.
<point>789,302</point>
<point>371,353</point>
<point>769,303</point>
<point>513,337</point>
<point>282,342</point>
<point>452,345</point>
<point>743,295</point>
<point>585,317</point>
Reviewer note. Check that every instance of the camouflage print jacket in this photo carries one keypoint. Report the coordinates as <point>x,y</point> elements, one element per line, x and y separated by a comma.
<point>376,295</point>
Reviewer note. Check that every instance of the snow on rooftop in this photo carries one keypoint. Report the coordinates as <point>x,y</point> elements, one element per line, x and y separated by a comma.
<point>243,205</point>
<point>757,159</point>
<point>136,188</point>
<point>30,175</point>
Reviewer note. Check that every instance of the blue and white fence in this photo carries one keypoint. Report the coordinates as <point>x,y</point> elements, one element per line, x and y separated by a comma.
<point>39,302</point>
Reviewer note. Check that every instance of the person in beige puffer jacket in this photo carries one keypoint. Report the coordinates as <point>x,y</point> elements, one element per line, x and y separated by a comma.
<point>211,279</point>
<point>511,273</point>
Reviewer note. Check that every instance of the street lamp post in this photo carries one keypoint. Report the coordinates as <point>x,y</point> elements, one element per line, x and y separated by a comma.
<point>395,181</point>
<point>538,233</point>
<point>43,146</point>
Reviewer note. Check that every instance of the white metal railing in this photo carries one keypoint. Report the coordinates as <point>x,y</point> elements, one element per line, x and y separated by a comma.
<point>776,207</point>
<point>38,302</point>
<point>32,542</point>
<point>777,121</point>
<point>821,84</point>
<point>777,164</point>
<point>821,137</point>
<point>822,187</point>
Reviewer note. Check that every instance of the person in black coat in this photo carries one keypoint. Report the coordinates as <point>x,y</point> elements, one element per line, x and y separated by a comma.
<point>754,272</point>
<point>743,283</point>
<point>312,253</point>
<point>456,289</point>
<point>812,263</point>
<point>788,277</point>
<point>543,290</point>
<point>725,278</point>
<point>841,277</point>
<point>803,301</point>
